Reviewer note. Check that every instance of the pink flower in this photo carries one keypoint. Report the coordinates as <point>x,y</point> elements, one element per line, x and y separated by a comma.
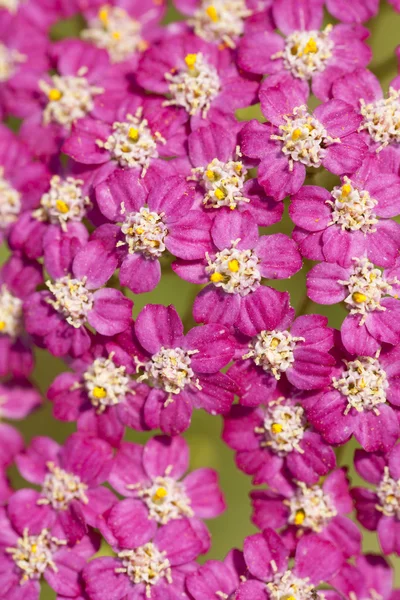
<point>217,578</point>
<point>370,574</point>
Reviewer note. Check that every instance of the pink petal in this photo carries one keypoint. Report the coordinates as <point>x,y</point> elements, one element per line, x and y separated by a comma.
<point>111,312</point>
<point>162,454</point>
<point>280,94</point>
<point>158,326</point>
<point>139,273</point>
<point>260,549</point>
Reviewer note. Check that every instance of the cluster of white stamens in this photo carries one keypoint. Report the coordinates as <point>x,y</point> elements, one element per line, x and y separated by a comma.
<point>10,313</point>
<point>364,383</point>
<point>283,427</point>
<point>193,87</point>
<point>382,119</point>
<point>306,52</point>
<point>33,554</point>
<point>220,20</point>
<point>170,370</point>
<point>388,493</point>
<point>72,299</point>
<point>10,5</point>
<point>9,59</point>
<point>145,232</point>
<point>366,287</point>
<point>61,487</point>
<point>145,564</point>
<point>287,586</point>
<point>304,139</point>
<point>132,144</point>
<point>235,271</point>
<point>310,507</point>
<point>166,499</point>
<point>352,209</point>
<point>69,98</point>
<point>222,182</point>
<point>115,31</point>
<point>273,351</point>
<point>10,202</point>
<point>105,383</point>
<point>63,202</point>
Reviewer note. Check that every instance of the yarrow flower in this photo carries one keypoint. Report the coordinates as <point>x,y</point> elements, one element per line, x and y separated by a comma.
<point>219,579</point>
<point>370,576</point>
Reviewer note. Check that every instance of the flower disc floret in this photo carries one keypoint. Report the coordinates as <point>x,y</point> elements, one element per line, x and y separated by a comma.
<point>273,351</point>
<point>193,87</point>
<point>61,487</point>
<point>220,20</point>
<point>287,586</point>
<point>106,384</point>
<point>71,299</point>
<point>235,271</point>
<point>69,98</point>
<point>63,202</point>
<point>10,202</point>
<point>307,52</point>
<point>115,31</point>
<point>388,493</point>
<point>145,232</point>
<point>311,508</point>
<point>304,139</point>
<point>363,383</point>
<point>33,554</point>
<point>132,143</point>
<point>10,313</point>
<point>9,59</point>
<point>353,209</point>
<point>166,500</point>
<point>382,119</point>
<point>283,428</point>
<point>145,564</point>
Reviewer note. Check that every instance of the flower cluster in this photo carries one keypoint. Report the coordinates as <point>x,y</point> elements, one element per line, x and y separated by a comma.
<point>123,156</point>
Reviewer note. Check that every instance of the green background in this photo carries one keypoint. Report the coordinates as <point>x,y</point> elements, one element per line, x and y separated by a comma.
<point>207,449</point>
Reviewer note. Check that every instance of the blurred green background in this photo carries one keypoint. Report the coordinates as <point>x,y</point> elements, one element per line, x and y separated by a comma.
<point>207,449</point>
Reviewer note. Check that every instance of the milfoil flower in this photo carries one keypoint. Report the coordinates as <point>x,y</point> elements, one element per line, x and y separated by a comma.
<point>370,297</point>
<point>305,52</point>
<point>378,509</point>
<point>100,393</point>
<point>198,77</point>
<point>70,478</point>
<point>183,370</point>
<point>153,473</point>
<point>302,510</point>
<point>151,223</point>
<point>296,350</point>
<point>57,317</point>
<point>266,556</point>
<point>295,139</point>
<point>273,439</point>
<point>234,269</point>
<point>149,563</point>
<point>29,555</point>
<point>223,179</point>
<point>351,220</point>
<point>370,577</point>
<point>217,579</point>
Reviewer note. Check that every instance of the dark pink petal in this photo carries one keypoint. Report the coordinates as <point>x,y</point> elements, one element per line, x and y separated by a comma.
<point>315,331</point>
<point>216,394</point>
<point>339,118</point>
<point>316,460</point>
<point>317,559</point>
<point>193,271</point>
<point>175,418</point>
<point>121,187</point>
<point>81,144</point>
<point>385,188</point>
<point>130,412</point>
<point>255,140</point>
<point>383,248</point>
<point>340,246</point>
<point>256,52</point>
<point>129,523</point>
<point>389,534</point>
<point>365,502</point>
<point>60,249</point>
<point>276,177</point>
<point>356,338</point>
<point>323,283</point>
<point>309,244</point>
<point>215,347</point>
<point>158,326</point>
<point>294,15</point>
<point>111,313</point>
<point>344,534</point>
<point>279,256</point>
<point>265,210</point>
<point>361,84</point>
<point>327,416</point>
<point>309,209</point>
<point>101,579</point>
<point>106,426</point>
<point>21,275</point>
<point>239,427</point>
<point>213,305</point>
<point>376,573</point>
<point>210,578</point>
<point>263,309</point>
<point>32,464</point>
<point>189,237</point>
<point>230,226</point>
<point>347,156</point>
<point>18,401</point>
<point>393,462</point>
<point>127,469</point>
<point>73,522</point>
<point>377,432</point>
<point>25,512</point>
<point>311,369</point>
<point>179,540</point>
<point>94,263</point>
<point>207,143</point>
<point>140,274</point>
<point>356,12</point>
<point>89,458</point>
<point>163,454</point>
<point>337,486</point>
<point>252,590</point>
<point>260,549</point>
<point>269,510</point>
<point>280,94</point>
<point>384,326</point>
<point>65,579</point>
<point>369,466</point>
<point>206,498</point>
<point>173,196</point>
<point>100,500</point>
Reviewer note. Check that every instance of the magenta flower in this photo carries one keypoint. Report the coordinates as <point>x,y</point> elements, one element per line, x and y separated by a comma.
<point>182,369</point>
<point>198,77</point>
<point>223,180</point>
<point>100,393</point>
<point>150,224</point>
<point>240,259</point>
<point>297,350</point>
<point>153,472</point>
<point>273,439</point>
<point>296,139</point>
<point>302,510</point>
<point>305,52</point>
<point>70,477</point>
<point>362,400</point>
<point>149,563</point>
<point>378,509</point>
<point>351,220</point>
<point>60,565</point>
<point>18,399</point>
<point>370,297</point>
<point>217,579</point>
<point>356,12</point>
<point>370,576</point>
<point>266,557</point>
<point>57,317</point>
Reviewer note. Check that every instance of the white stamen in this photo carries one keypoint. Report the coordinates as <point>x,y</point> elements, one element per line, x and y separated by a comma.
<point>145,232</point>
<point>311,508</point>
<point>10,5</point>
<point>235,271</point>
<point>287,586</point>
<point>166,499</point>
<point>307,52</point>
<point>352,209</point>
<point>10,202</point>
<point>63,202</point>
<point>106,384</point>
<point>388,492</point>
<point>9,60</point>
<point>61,487</point>
<point>72,299</point>
<point>273,351</point>
<point>382,119</point>
<point>145,564</point>
<point>283,427</point>
<point>219,21</point>
<point>10,313</point>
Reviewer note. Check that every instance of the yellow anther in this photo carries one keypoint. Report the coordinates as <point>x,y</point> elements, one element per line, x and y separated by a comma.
<point>116,35</point>
<point>296,134</point>
<point>160,493</point>
<point>299,517</point>
<point>210,174</point>
<point>190,60</point>
<point>311,46</point>
<point>54,94</point>
<point>358,297</point>
<point>103,15</point>
<point>62,206</point>
<point>276,428</point>
<point>346,189</point>
<point>34,548</point>
<point>233,265</point>
<point>220,194</point>
<point>139,230</point>
<point>238,167</point>
<point>216,277</point>
<point>125,148</point>
<point>2,325</point>
<point>99,392</point>
<point>212,13</point>
<point>362,384</point>
<point>274,343</point>
<point>133,134</point>
<point>287,597</point>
